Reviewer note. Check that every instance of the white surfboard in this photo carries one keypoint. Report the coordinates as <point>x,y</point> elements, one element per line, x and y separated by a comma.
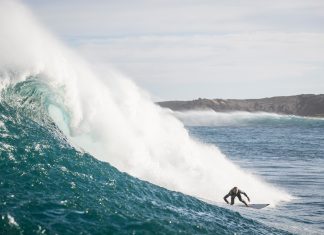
<point>256,206</point>
<point>253,206</point>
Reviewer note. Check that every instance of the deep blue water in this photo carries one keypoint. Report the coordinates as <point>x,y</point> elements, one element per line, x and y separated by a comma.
<point>287,152</point>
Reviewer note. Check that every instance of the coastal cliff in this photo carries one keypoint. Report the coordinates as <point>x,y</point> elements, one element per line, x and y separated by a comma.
<point>301,105</point>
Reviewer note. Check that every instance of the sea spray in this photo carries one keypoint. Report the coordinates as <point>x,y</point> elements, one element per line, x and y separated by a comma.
<point>238,118</point>
<point>113,119</point>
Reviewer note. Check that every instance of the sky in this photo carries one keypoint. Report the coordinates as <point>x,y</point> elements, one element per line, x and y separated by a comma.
<point>189,49</point>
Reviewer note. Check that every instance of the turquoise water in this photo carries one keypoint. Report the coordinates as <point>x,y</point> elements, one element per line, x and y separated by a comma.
<point>286,151</point>
<point>49,187</point>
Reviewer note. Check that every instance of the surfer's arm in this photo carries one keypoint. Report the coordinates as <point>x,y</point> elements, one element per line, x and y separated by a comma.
<point>225,198</point>
<point>246,196</point>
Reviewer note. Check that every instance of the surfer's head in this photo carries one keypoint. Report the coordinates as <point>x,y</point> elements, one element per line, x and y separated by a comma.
<point>235,189</point>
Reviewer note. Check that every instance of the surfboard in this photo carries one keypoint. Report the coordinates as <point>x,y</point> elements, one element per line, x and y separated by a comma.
<point>253,206</point>
<point>256,206</point>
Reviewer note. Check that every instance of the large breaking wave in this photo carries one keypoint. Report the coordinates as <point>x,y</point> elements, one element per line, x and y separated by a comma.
<point>48,187</point>
<point>110,117</point>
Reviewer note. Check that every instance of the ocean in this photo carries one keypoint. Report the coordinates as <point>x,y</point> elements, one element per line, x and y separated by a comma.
<point>287,151</point>
<point>87,151</point>
<point>49,187</point>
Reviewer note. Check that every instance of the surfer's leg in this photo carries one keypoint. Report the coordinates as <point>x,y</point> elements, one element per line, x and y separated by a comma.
<point>232,200</point>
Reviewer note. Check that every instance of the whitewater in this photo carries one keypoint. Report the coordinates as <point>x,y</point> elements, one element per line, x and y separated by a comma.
<point>108,116</point>
<point>212,118</point>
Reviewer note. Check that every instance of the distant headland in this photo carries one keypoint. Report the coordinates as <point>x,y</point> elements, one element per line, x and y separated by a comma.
<point>301,105</point>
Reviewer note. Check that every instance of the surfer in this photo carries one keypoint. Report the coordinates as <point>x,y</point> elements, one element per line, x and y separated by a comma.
<point>235,192</point>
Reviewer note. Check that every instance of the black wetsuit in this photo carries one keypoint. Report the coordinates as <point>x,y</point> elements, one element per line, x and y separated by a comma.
<point>235,192</point>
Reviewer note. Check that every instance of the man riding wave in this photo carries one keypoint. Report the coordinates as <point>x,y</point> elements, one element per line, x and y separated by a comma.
<point>235,192</point>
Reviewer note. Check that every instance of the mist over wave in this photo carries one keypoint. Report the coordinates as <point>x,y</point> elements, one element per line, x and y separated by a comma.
<point>108,116</point>
<point>212,118</point>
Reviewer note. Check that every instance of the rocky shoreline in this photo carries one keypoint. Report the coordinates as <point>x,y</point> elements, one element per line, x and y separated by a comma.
<point>301,105</point>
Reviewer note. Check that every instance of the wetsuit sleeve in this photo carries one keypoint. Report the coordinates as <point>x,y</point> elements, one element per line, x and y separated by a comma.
<point>245,195</point>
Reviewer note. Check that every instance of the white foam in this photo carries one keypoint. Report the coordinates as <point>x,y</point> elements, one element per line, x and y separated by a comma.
<point>12,221</point>
<point>114,120</point>
<point>212,118</point>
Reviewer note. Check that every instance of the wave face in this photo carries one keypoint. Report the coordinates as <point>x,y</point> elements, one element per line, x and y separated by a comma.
<point>111,118</point>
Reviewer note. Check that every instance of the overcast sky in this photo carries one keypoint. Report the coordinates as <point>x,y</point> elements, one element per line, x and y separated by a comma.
<point>185,49</point>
